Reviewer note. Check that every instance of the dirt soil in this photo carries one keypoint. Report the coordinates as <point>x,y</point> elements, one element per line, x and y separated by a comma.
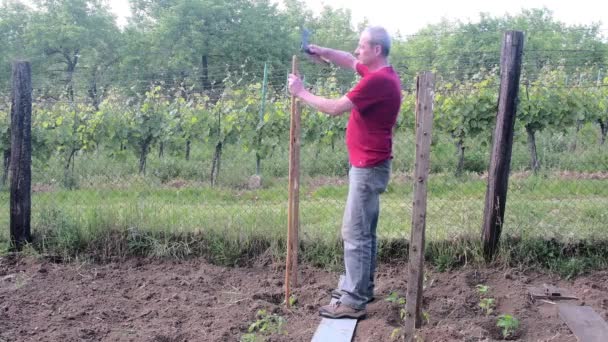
<point>163,301</point>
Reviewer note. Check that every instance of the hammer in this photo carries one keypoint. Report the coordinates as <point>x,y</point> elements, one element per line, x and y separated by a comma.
<point>304,47</point>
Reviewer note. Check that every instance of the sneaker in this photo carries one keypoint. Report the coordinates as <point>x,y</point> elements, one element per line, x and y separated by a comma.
<point>339,310</point>
<point>337,294</point>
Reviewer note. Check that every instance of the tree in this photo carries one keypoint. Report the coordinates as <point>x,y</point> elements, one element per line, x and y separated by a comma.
<point>200,41</point>
<point>14,17</point>
<point>457,50</point>
<point>71,33</point>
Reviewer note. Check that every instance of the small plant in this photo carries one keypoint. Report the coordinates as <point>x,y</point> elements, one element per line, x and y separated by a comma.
<point>266,324</point>
<point>293,300</point>
<point>249,338</point>
<point>508,324</point>
<point>395,334</point>
<point>487,304</point>
<point>426,282</point>
<point>482,289</point>
<point>399,334</point>
<point>426,317</point>
<point>393,297</point>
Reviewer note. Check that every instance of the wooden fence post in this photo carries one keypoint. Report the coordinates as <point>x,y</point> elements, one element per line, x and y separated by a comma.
<point>425,94</point>
<point>293,213</point>
<point>21,155</point>
<point>498,174</point>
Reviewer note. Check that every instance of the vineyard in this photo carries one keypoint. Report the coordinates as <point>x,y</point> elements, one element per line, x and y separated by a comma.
<point>253,125</point>
<point>133,152</point>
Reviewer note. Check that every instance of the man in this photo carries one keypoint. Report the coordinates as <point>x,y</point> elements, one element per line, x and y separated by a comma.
<point>374,105</point>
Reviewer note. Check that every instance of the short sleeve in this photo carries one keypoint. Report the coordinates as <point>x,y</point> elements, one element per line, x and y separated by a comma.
<point>366,93</point>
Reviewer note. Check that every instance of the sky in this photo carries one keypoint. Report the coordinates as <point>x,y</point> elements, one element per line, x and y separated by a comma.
<point>407,17</point>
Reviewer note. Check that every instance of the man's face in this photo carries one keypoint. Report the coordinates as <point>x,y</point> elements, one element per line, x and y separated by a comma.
<point>366,52</point>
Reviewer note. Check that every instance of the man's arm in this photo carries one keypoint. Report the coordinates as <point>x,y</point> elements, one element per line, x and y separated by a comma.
<point>332,107</point>
<point>340,58</point>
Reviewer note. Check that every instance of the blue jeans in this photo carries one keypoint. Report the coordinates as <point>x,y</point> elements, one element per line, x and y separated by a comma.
<point>359,232</point>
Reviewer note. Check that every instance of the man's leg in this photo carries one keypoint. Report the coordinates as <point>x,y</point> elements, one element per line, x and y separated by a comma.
<point>380,178</point>
<point>359,232</point>
<point>357,249</point>
<point>372,269</point>
<point>357,239</point>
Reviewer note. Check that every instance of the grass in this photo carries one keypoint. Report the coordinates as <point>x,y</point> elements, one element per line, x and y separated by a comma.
<point>231,226</point>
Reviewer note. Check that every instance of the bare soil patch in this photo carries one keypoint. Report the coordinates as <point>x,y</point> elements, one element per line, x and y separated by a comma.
<point>191,300</point>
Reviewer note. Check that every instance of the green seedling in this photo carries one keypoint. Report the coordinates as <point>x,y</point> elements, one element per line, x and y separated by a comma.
<point>266,324</point>
<point>393,297</point>
<point>395,334</point>
<point>482,289</point>
<point>487,304</point>
<point>426,317</point>
<point>508,324</point>
<point>293,300</point>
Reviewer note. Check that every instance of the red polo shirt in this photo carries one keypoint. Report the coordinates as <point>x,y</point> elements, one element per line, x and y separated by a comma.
<point>369,133</point>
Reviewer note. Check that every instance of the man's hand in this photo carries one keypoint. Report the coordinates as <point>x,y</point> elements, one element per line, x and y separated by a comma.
<point>315,53</point>
<point>316,50</point>
<point>295,85</point>
<point>327,106</point>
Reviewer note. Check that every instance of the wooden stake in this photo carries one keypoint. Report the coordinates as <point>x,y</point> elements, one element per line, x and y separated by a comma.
<point>21,156</point>
<point>293,212</point>
<point>424,125</point>
<point>500,162</point>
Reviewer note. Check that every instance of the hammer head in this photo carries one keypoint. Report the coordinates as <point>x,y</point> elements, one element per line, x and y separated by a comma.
<point>304,45</point>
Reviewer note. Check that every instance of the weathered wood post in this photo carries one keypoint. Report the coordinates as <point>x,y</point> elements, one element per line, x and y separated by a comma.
<point>21,155</point>
<point>500,162</point>
<point>425,94</point>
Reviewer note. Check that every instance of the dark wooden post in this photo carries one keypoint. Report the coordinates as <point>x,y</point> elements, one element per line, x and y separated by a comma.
<point>498,174</point>
<point>425,94</point>
<point>21,155</point>
<point>293,211</point>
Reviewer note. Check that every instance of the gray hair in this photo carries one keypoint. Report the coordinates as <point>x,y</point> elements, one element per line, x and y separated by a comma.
<point>379,36</point>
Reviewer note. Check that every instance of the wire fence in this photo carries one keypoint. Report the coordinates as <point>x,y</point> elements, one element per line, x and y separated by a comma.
<point>565,200</point>
<point>171,165</point>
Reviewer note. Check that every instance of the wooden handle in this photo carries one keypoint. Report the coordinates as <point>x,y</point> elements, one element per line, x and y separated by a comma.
<point>291,274</point>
